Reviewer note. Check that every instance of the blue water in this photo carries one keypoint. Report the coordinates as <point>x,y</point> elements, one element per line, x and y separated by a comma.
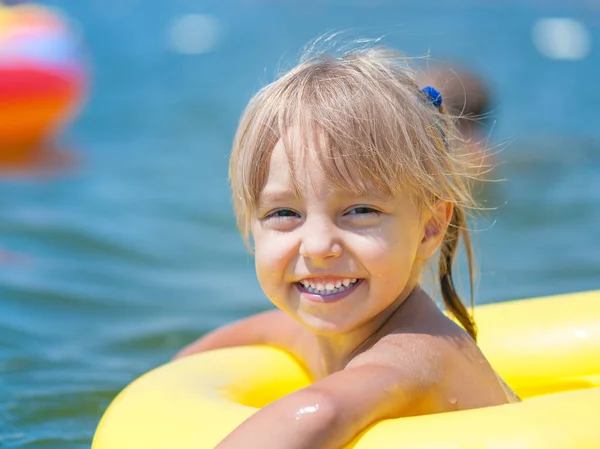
<point>116,265</point>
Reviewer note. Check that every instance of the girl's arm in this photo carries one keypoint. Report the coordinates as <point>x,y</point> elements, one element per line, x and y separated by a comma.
<point>263,328</point>
<point>330,413</point>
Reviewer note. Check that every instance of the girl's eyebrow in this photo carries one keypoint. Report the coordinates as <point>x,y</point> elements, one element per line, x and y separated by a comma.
<point>276,196</point>
<point>378,196</point>
<point>283,196</point>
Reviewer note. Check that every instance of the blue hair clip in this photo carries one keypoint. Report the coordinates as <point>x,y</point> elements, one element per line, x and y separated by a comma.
<point>434,96</point>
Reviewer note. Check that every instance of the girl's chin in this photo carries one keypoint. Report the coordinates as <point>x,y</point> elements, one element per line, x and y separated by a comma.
<point>324,326</point>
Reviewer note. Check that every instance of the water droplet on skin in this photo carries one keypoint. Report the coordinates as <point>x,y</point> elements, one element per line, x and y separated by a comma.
<point>306,410</point>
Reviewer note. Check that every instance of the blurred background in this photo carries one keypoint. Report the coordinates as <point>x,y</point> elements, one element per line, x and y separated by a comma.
<point>118,242</point>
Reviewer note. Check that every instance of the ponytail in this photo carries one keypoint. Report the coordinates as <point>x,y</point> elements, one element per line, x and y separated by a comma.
<point>457,228</point>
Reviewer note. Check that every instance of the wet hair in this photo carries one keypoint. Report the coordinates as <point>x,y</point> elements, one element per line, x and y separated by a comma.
<point>377,131</point>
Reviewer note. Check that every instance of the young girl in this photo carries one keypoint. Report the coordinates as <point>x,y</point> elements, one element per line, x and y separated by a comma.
<point>347,178</point>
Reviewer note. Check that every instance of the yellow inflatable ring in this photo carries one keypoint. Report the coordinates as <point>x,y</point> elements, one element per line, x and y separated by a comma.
<point>548,350</point>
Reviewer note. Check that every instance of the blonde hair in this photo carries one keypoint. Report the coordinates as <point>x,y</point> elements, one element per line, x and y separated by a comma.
<point>380,132</point>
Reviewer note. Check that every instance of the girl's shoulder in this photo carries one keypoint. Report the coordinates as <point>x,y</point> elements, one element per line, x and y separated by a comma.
<point>447,367</point>
<point>419,356</point>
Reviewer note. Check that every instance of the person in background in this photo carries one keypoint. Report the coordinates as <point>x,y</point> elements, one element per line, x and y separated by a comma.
<point>467,98</point>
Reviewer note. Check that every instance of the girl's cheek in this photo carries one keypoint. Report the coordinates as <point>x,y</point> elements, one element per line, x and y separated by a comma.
<point>372,250</point>
<point>271,252</point>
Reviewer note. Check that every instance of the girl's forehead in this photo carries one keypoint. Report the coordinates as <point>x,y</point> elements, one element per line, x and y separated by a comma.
<point>295,169</point>
<point>302,141</point>
<point>292,166</point>
<point>297,159</point>
<point>305,149</point>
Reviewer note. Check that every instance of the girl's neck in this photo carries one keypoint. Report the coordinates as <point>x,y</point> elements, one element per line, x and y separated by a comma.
<point>336,351</point>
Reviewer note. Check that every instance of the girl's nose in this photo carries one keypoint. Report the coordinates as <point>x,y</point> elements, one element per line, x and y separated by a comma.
<point>320,240</point>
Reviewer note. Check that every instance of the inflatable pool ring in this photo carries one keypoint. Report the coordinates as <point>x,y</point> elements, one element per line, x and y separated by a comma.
<point>43,80</point>
<point>548,349</point>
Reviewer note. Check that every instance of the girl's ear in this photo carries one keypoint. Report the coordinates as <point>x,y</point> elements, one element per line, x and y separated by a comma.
<point>435,224</point>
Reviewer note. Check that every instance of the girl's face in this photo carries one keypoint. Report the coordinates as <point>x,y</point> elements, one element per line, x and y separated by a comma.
<point>333,260</point>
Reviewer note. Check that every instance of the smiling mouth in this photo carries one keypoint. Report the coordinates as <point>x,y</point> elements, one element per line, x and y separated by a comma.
<point>320,291</point>
<point>321,287</point>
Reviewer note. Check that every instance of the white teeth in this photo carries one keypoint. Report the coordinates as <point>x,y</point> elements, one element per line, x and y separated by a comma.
<point>328,288</point>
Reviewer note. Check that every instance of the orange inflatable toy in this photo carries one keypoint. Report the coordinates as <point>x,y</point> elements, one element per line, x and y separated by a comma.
<point>43,79</point>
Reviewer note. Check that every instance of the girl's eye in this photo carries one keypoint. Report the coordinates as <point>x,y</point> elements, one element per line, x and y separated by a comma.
<point>283,213</point>
<point>362,210</point>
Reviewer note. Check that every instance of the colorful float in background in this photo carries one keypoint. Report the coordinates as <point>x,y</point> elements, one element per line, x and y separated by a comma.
<point>43,80</point>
